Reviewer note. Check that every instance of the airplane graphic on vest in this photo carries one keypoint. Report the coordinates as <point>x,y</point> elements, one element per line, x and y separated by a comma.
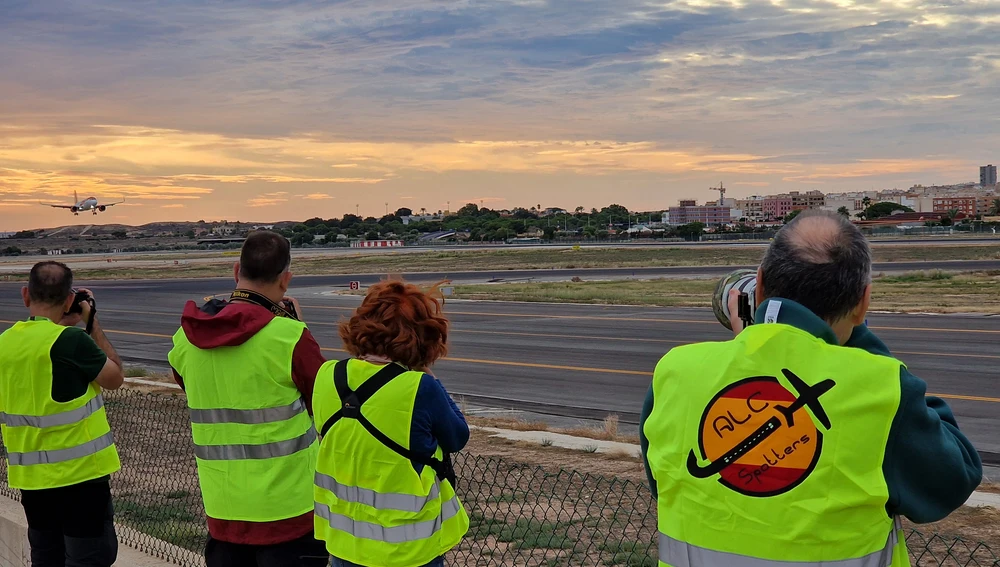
<point>751,437</point>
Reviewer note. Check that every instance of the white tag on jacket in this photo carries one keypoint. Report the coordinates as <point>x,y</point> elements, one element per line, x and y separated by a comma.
<point>771,316</point>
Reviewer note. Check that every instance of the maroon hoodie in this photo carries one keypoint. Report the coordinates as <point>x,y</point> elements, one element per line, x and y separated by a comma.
<point>218,324</point>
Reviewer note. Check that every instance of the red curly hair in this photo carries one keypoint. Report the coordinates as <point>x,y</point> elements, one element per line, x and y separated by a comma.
<point>400,322</point>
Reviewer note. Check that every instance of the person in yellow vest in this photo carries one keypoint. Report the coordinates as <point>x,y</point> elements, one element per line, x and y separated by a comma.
<point>248,367</point>
<point>385,488</point>
<point>60,449</point>
<point>802,441</point>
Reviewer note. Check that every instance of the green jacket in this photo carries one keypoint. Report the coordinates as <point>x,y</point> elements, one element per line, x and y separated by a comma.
<point>930,467</point>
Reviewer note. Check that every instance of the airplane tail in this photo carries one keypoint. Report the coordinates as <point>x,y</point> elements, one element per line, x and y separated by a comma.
<point>76,198</point>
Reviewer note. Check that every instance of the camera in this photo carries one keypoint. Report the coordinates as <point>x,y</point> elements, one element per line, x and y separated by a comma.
<point>78,298</point>
<point>744,281</point>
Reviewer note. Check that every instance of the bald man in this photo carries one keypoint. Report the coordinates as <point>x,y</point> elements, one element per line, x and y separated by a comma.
<point>802,441</point>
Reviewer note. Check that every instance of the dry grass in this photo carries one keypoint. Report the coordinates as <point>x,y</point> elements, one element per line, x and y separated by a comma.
<point>523,259</point>
<point>990,487</point>
<point>935,292</point>
<point>512,423</point>
<point>607,432</point>
<point>970,524</point>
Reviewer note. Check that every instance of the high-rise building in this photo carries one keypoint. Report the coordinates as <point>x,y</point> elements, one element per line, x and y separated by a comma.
<point>988,176</point>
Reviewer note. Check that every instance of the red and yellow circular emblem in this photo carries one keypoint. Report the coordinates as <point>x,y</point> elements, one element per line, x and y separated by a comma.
<point>757,438</point>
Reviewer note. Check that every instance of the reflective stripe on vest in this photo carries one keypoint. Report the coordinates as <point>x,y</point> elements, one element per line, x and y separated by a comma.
<point>62,455</point>
<point>676,553</point>
<point>248,417</point>
<point>377,500</point>
<point>265,451</point>
<point>55,420</point>
<point>397,534</point>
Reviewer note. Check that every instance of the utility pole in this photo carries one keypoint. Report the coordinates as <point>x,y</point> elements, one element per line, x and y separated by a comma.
<point>357,210</point>
<point>387,208</point>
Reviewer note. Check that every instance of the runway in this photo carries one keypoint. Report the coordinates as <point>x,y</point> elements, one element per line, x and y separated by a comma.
<point>571,360</point>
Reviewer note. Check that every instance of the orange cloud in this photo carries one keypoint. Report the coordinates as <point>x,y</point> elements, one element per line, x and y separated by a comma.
<point>877,167</point>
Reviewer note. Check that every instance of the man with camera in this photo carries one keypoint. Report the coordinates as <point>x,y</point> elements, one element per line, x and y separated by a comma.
<point>802,441</point>
<point>248,366</point>
<point>60,450</point>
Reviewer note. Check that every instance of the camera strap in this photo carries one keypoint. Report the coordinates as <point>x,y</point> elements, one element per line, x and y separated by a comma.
<point>258,299</point>
<point>93,314</point>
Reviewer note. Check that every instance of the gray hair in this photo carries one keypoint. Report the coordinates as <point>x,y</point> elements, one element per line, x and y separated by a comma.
<point>821,261</point>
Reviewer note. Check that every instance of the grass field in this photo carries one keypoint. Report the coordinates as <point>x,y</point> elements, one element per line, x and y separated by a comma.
<point>936,292</point>
<point>524,259</point>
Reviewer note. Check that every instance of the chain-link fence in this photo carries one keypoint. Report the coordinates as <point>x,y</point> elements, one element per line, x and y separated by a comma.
<point>521,515</point>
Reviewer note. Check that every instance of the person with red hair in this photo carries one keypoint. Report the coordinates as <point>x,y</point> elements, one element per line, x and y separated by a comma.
<point>384,486</point>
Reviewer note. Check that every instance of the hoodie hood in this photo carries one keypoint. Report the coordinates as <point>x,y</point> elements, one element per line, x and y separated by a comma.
<point>219,323</point>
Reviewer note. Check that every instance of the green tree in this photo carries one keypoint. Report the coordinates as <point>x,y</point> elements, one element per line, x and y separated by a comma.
<point>866,202</point>
<point>469,210</point>
<point>119,234</point>
<point>404,212</point>
<point>691,231</point>
<point>995,207</point>
<point>843,211</point>
<point>549,233</point>
<point>884,209</point>
<point>788,218</point>
<point>371,235</point>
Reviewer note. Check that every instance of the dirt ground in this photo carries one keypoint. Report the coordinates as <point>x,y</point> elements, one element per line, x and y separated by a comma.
<point>529,505</point>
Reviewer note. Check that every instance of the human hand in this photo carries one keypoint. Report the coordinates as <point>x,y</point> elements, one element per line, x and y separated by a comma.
<point>294,303</point>
<point>74,319</point>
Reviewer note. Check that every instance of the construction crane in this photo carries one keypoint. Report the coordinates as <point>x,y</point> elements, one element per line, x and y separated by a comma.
<point>722,193</point>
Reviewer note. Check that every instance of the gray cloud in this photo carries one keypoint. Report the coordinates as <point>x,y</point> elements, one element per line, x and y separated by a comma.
<point>886,79</point>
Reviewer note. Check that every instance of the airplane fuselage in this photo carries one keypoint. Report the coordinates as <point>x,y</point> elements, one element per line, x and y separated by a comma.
<point>87,204</point>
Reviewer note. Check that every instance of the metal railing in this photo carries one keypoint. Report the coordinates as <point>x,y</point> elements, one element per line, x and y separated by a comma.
<point>520,514</point>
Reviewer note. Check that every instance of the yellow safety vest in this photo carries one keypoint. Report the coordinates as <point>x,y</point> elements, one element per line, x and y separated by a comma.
<point>372,507</point>
<point>255,444</point>
<point>49,444</point>
<point>767,450</point>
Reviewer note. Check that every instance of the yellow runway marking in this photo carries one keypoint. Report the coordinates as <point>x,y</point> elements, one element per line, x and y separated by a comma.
<point>553,366</point>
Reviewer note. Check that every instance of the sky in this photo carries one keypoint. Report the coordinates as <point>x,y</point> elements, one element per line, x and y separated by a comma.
<point>283,110</point>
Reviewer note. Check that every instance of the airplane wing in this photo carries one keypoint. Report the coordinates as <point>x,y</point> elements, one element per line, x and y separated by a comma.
<point>57,206</point>
<point>112,204</point>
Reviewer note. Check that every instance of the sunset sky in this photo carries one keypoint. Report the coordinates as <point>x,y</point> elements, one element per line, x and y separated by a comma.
<point>271,110</point>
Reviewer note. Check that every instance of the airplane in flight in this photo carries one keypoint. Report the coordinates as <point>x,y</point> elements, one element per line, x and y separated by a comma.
<point>88,204</point>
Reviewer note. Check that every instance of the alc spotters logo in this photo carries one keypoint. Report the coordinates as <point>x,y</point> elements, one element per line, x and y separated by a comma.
<point>756,438</point>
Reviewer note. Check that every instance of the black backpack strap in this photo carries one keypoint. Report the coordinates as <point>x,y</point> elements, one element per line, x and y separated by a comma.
<point>353,400</point>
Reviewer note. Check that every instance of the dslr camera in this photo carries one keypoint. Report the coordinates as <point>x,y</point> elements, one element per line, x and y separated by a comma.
<point>79,297</point>
<point>744,281</point>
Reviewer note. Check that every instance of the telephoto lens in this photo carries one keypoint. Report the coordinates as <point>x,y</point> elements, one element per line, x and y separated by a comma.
<point>742,280</point>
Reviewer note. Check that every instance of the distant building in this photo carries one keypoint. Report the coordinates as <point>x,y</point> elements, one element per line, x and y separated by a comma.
<point>421,218</point>
<point>776,207</point>
<point>966,205</point>
<point>988,176</point>
<point>807,200</point>
<point>376,243</point>
<point>688,211</point>
<point>7,234</point>
<point>753,208</point>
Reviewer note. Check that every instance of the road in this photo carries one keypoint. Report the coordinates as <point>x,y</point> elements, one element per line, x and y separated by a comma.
<point>571,360</point>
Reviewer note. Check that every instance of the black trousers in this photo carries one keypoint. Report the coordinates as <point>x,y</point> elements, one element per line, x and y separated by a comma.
<point>71,526</point>
<point>303,552</point>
